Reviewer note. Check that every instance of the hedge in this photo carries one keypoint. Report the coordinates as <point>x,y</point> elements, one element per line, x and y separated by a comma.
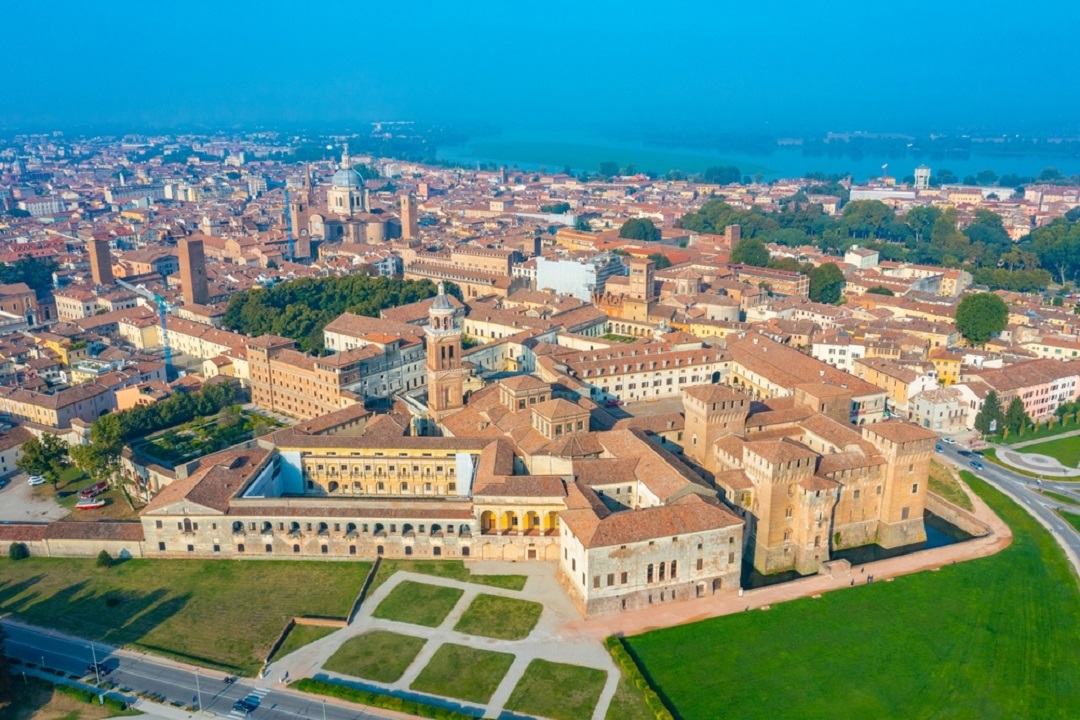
<point>379,700</point>
<point>632,672</point>
<point>89,696</point>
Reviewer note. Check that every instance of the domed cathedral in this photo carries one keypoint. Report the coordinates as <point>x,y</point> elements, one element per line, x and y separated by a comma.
<point>347,215</point>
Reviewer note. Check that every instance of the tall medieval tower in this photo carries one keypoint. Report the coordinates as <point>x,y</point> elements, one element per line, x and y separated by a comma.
<point>445,376</point>
<point>712,411</point>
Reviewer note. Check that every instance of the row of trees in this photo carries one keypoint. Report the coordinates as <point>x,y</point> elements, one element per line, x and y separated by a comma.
<point>826,280</point>
<point>49,456</point>
<point>926,235</point>
<point>35,273</point>
<point>993,420</point>
<point>301,309</point>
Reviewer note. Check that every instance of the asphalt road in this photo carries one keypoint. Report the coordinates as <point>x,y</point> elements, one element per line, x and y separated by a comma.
<point>1026,489</point>
<point>144,674</point>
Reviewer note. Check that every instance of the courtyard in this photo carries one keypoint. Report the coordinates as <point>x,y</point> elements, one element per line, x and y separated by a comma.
<point>471,644</point>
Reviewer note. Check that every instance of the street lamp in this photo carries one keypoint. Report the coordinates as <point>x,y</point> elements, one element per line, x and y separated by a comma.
<point>323,710</point>
<point>198,692</point>
<point>97,671</point>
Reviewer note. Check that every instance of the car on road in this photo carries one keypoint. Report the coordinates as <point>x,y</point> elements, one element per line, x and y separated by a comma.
<point>4,483</point>
<point>36,480</point>
<point>948,441</point>
<point>979,453</point>
<point>965,453</point>
<point>245,705</point>
<point>94,490</point>
<point>98,669</point>
<point>939,448</point>
<point>90,504</point>
<point>976,464</point>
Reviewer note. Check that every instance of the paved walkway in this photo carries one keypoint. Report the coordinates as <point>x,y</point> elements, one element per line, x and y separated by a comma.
<point>688,611</point>
<point>554,638</point>
<point>1036,463</point>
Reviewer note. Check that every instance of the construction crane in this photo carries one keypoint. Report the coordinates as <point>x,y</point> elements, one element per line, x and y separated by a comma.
<point>164,308</point>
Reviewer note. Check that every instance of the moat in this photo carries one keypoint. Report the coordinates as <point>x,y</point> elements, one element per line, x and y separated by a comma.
<point>939,533</point>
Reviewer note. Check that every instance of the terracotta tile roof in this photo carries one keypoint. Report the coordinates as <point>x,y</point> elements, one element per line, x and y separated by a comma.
<point>688,515</point>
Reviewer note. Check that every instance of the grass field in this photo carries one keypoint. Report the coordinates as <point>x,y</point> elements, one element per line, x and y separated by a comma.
<point>1064,450</point>
<point>1067,499</point>
<point>450,569</point>
<point>379,655</point>
<point>499,617</point>
<point>463,673</point>
<point>944,483</point>
<point>993,638</point>
<point>214,612</point>
<point>299,636</point>
<point>418,603</point>
<point>1071,518</point>
<point>628,703</point>
<point>36,699</point>
<point>557,691</point>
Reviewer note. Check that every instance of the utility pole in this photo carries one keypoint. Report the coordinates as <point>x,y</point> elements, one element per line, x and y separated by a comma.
<point>198,692</point>
<point>97,670</point>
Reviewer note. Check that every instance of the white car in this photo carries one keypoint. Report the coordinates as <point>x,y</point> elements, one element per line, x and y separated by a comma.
<point>948,441</point>
<point>36,480</point>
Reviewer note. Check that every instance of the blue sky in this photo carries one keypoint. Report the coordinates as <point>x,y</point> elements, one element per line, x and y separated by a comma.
<point>757,66</point>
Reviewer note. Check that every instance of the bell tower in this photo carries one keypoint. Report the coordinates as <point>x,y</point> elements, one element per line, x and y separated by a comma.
<point>445,376</point>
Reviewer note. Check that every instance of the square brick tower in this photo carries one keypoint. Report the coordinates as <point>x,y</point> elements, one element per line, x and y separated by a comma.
<point>193,272</point>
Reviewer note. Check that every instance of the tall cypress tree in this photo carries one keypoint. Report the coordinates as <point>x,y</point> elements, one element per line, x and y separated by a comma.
<point>990,415</point>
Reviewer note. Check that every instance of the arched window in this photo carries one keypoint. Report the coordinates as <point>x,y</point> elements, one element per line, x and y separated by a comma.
<point>674,569</point>
<point>649,573</point>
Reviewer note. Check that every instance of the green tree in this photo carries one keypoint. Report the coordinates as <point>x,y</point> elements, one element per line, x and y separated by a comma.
<point>721,175</point>
<point>1015,417</point>
<point>99,461</point>
<point>556,208</point>
<point>986,177</point>
<point>18,551</point>
<point>980,317</point>
<point>660,261</point>
<point>750,251</point>
<point>608,169</point>
<point>639,229</point>
<point>46,456</point>
<point>880,290</point>
<point>582,225</point>
<point>1057,246</point>
<point>866,218</point>
<point>990,419</point>
<point>104,559</point>
<point>826,283</point>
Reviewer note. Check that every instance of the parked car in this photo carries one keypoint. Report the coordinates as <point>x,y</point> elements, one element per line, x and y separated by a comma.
<point>4,483</point>
<point>614,403</point>
<point>976,464</point>
<point>94,490</point>
<point>36,480</point>
<point>939,448</point>
<point>245,705</point>
<point>948,441</point>
<point>90,504</point>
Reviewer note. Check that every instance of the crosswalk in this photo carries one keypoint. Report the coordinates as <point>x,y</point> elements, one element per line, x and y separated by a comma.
<point>255,697</point>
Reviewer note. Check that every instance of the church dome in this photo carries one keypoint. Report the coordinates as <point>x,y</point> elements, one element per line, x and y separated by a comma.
<point>347,178</point>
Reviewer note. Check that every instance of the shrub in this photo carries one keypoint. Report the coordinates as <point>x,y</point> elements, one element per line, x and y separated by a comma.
<point>630,669</point>
<point>18,551</point>
<point>104,559</point>
<point>379,700</point>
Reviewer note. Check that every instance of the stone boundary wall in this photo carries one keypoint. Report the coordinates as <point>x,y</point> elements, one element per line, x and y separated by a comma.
<point>956,515</point>
<point>364,589</point>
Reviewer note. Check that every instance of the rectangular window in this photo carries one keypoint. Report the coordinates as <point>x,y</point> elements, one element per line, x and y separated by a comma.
<point>856,494</point>
<point>700,564</point>
<point>573,564</point>
<point>610,579</point>
<point>158,524</point>
<point>161,546</point>
<point>914,488</point>
<point>191,548</point>
<point>596,582</point>
<point>217,548</point>
<point>240,548</point>
<point>623,579</point>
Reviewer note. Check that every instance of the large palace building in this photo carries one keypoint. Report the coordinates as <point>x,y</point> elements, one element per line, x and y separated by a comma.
<point>522,470</point>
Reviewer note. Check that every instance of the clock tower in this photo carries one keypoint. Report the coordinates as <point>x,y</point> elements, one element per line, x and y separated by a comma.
<point>445,376</point>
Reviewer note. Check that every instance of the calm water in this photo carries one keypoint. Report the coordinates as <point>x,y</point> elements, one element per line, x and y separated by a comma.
<point>939,533</point>
<point>553,151</point>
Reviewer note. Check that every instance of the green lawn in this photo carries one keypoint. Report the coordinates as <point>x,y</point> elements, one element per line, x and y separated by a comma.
<point>557,691</point>
<point>993,638</point>
<point>1064,450</point>
<point>1043,430</point>
<point>628,703</point>
<point>463,673</point>
<point>418,603</point>
<point>499,617</point>
<point>1067,499</point>
<point>450,569</point>
<point>379,655</point>
<point>1071,518</point>
<point>944,484</point>
<point>302,635</point>
<point>215,612</point>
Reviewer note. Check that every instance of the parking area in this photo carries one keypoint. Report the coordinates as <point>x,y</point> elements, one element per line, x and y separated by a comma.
<point>21,503</point>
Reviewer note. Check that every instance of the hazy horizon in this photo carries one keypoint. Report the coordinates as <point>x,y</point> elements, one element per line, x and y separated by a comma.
<point>788,68</point>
